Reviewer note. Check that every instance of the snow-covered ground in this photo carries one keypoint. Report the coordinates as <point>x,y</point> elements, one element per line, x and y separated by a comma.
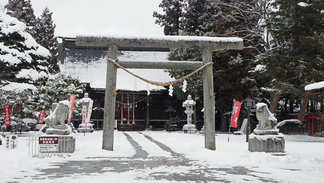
<point>303,162</point>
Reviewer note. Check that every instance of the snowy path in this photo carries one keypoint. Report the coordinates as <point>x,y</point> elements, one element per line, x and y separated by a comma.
<point>171,157</point>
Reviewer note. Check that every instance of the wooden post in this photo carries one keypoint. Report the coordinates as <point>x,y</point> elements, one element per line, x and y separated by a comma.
<point>133,109</point>
<point>147,112</point>
<point>209,101</point>
<point>110,99</point>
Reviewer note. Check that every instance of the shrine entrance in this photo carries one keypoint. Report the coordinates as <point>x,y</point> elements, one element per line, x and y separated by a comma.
<point>206,44</point>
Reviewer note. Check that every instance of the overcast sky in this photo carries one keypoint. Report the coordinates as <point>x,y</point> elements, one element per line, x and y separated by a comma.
<point>101,17</point>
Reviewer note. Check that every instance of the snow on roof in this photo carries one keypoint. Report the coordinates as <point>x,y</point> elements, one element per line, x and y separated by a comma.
<point>289,121</point>
<point>314,86</point>
<point>95,72</point>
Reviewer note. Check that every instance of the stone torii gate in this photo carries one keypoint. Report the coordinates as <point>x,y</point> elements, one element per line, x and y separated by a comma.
<point>206,44</point>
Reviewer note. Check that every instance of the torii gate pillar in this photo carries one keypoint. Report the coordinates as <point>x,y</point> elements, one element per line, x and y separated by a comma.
<point>209,101</point>
<point>110,100</point>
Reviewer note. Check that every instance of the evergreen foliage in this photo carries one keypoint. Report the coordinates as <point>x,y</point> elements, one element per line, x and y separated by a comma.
<point>23,11</point>
<point>223,18</point>
<point>171,19</point>
<point>22,59</point>
<point>44,29</point>
<point>62,85</point>
<point>197,15</point>
<point>233,78</point>
<point>296,57</point>
<point>195,89</point>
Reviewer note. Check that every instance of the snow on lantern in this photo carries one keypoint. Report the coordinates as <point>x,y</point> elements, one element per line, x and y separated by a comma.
<point>189,104</point>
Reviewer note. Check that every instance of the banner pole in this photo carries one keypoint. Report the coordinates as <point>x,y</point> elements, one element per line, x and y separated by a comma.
<point>229,128</point>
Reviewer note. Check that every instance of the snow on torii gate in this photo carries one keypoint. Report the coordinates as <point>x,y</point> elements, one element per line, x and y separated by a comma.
<point>206,44</point>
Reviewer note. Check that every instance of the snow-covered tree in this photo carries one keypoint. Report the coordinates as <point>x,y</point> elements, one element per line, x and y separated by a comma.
<point>23,64</point>
<point>297,57</point>
<point>22,60</point>
<point>171,19</point>
<point>47,94</point>
<point>45,29</point>
<point>23,11</point>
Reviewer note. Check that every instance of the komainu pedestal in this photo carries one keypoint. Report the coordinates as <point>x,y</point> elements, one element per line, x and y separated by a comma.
<point>267,143</point>
<point>266,137</point>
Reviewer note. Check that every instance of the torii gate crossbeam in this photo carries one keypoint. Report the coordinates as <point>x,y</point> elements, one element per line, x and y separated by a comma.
<point>206,44</point>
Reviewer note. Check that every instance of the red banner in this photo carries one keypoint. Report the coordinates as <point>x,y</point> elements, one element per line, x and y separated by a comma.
<point>84,111</point>
<point>41,117</point>
<point>235,113</point>
<point>7,115</point>
<point>72,99</point>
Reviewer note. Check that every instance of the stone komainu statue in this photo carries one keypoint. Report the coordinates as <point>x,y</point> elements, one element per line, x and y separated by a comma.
<point>266,119</point>
<point>57,119</point>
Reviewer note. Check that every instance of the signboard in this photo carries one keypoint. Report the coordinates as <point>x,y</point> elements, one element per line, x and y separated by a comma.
<point>7,115</point>
<point>11,141</point>
<point>41,117</point>
<point>48,144</point>
<point>235,113</point>
<point>72,99</point>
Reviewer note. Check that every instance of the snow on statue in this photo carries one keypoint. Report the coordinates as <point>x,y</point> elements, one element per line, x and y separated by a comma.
<point>266,119</point>
<point>56,120</point>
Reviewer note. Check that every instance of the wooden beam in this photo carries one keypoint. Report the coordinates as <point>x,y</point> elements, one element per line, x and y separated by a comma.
<point>232,43</point>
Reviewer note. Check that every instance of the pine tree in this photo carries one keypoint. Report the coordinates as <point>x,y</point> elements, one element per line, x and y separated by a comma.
<point>44,29</point>
<point>171,19</point>
<point>233,78</point>
<point>22,59</point>
<point>23,11</point>
<point>197,15</point>
<point>297,58</point>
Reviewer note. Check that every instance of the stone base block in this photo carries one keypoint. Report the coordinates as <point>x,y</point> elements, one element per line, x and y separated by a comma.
<point>266,132</point>
<point>126,127</point>
<point>54,131</point>
<point>267,143</point>
<point>189,128</point>
<point>66,144</point>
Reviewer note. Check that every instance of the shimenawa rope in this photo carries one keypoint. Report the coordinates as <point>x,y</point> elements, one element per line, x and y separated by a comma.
<point>161,83</point>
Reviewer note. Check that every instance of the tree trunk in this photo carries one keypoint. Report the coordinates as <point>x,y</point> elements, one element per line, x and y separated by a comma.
<point>274,102</point>
<point>303,107</point>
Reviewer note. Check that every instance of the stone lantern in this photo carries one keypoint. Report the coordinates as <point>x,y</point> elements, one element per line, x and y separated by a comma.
<point>189,104</point>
